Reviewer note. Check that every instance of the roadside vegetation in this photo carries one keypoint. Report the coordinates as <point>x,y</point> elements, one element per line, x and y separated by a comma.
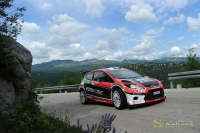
<point>192,64</point>
<point>27,116</point>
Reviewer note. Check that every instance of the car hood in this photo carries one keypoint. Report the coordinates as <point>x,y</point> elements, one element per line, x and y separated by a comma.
<point>145,81</point>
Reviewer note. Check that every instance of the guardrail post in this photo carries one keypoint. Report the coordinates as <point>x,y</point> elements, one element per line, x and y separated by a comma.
<point>60,91</point>
<point>171,84</point>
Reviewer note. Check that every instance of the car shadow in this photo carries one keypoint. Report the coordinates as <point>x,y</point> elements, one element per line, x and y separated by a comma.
<point>94,103</point>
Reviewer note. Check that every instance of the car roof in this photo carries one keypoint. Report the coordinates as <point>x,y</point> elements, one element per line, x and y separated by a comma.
<point>110,69</point>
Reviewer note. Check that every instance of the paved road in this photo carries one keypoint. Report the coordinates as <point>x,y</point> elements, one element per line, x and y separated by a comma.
<point>182,106</point>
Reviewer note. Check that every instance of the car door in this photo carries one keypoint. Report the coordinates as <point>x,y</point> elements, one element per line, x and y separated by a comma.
<point>88,83</point>
<point>103,83</point>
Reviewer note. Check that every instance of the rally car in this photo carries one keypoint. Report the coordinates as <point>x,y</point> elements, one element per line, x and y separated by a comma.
<point>121,87</point>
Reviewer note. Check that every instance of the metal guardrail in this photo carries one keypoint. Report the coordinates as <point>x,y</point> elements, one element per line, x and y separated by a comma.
<point>56,88</point>
<point>182,75</point>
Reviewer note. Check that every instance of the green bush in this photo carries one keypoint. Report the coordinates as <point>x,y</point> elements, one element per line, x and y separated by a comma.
<point>192,64</point>
<point>27,117</point>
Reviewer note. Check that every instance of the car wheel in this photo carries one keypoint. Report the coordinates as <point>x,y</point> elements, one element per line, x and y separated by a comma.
<point>83,98</point>
<point>119,99</point>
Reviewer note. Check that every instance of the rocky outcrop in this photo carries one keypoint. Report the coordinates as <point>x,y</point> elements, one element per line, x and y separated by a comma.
<point>12,92</point>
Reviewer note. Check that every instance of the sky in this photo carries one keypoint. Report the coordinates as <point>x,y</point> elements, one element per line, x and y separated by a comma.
<point>109,29</point>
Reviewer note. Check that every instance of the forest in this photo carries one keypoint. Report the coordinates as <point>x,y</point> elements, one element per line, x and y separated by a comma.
<point>154,70</point>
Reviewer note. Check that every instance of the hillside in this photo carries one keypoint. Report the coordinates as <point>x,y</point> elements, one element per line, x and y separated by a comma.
<point>56,66</point>
<point>155,70</point>
<point>158,70</point>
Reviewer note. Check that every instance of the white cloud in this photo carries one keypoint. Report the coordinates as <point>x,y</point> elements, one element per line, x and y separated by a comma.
<point>190,46</point>
<point>65,33</point>
<point>138,51</point>
<point>113,36</point>
<point>102,44</point>
<point>153,32</point>
<point>174,20</point>
<point>196,48</point>
<point>72,50</point>
<point>132,36</point>
<point>94,7</point>
<point>175,51</point>
<point>161,6</point>
<point>140,13</point>
<point>39,50</point>
<point>160,54</point>
<point>172,42</point>
<point>32,31</point>
<point>193,23</point>
<point>124,30</point>
<point>181,38</point>
<point>164,6</point>
<point>68,28</point>
<point>175,4</point>
<point>145,46</point>
<point>98,54</point>
<point>63,18</point>
<point>45,6</point>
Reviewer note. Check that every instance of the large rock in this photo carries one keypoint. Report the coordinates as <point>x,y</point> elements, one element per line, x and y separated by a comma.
<point>7,95</point>
<point>12,93</point>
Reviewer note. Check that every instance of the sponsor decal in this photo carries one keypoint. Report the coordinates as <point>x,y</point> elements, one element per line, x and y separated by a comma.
<point>158,123</point>
<point>94,91</point>
<point>141,91</point>
<point>154,86</point>
<point>144,80</point>
<point>86,81</point>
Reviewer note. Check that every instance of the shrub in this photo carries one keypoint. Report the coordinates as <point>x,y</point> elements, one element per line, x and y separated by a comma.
<point>27,117</point>
<point>192,64</point>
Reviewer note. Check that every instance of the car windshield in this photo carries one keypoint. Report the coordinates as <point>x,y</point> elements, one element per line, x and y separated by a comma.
<point>124,74</point>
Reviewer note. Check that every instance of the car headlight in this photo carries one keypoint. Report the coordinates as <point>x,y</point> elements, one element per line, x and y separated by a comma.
<point>133,86</point>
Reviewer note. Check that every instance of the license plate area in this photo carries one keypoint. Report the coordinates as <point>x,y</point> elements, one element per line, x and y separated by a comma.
<point>156,92</point>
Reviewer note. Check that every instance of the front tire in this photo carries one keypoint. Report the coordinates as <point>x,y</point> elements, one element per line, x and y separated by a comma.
<point>119,99</point>
<point>83,98</point>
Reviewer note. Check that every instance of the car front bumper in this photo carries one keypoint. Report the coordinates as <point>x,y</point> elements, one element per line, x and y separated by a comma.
<point>133,99</point>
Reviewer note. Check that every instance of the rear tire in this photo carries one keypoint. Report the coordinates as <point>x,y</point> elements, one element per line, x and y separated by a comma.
<point>83,97</point>
<point>119,99</point>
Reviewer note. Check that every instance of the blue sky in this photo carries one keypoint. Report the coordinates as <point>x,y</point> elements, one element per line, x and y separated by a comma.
<point>109,29</point>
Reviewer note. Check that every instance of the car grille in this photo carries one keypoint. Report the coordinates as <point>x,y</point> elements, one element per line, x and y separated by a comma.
<point>151,96</point>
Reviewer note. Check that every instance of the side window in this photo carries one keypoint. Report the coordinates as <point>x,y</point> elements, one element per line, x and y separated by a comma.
<point>101,76</point>
<point>89,76</point>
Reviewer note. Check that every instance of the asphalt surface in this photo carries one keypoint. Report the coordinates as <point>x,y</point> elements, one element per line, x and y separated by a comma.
<point>179,113</point>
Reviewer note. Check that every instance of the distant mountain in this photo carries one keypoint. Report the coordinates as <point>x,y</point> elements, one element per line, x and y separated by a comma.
<point>70,65</point>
